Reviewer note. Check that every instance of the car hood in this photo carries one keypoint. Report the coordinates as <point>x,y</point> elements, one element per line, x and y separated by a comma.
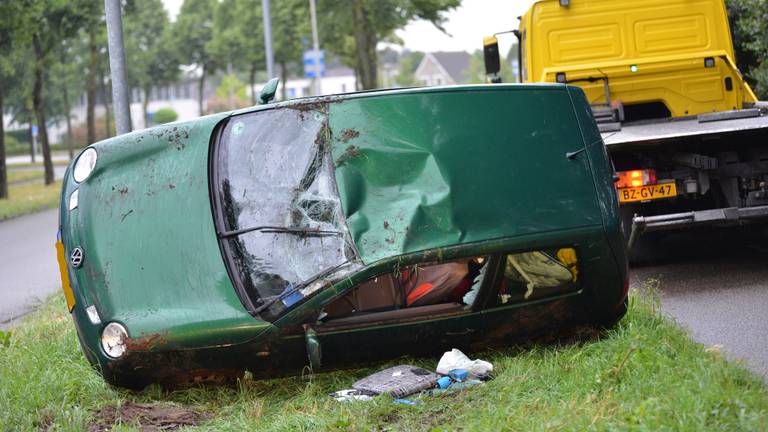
<point>144,222</point>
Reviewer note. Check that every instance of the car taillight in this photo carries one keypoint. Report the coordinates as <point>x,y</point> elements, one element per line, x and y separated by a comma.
<point>636,178</point>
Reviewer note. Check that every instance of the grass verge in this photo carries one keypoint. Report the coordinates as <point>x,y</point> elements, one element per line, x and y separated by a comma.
<point>645,374</point>
<point>29,198</point>
<point>15,176</point>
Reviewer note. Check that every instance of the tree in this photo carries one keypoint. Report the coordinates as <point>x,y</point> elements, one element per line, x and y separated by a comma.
<point>9,30</point>
<point>237,38</point>
<point>191,32</point>
<point>46,24</point>
<point>150,48</point>
<point>290,24</point>
<point>370,22</point>
<point>749,26</point>
<point>65,81</point>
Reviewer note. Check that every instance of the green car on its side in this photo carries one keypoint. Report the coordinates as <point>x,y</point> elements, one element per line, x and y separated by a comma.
<point>337,230</point>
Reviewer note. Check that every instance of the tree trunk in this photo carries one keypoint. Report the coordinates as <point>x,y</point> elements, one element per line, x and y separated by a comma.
<point>200,88</point>
<point>145,105</point>
<point>67,110</point>
<point>3,171</point>
<point>90,88</point>
<point>365,46</point>
<point>39,106</point>
<point>283,80</point>
<point>252,78</point>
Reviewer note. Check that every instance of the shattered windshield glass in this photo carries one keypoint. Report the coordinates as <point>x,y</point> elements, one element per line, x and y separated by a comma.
<point>282,218</point>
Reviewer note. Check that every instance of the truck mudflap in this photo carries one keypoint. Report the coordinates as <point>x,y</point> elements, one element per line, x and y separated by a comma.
<point>721,216</point>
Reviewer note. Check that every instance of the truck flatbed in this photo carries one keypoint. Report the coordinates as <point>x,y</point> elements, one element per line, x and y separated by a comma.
<point>656,132</point>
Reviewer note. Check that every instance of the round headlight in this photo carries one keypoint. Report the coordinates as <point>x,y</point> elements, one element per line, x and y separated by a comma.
<point>85,165</point>
<point>113,340</point>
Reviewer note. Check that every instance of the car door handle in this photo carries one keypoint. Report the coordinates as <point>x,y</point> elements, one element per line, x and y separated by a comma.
<point>460,333</point>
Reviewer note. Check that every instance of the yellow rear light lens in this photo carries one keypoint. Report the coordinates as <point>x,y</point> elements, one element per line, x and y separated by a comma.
<point>635,178</point>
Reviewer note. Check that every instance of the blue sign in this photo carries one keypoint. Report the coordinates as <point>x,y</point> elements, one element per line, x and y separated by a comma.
<point>34,130</point>
<point>314,63</point>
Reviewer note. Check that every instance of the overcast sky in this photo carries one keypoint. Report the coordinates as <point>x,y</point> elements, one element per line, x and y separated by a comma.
<point>467,25</point>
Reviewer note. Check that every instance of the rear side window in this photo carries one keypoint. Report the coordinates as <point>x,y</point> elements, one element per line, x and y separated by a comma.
<point>538,274</point>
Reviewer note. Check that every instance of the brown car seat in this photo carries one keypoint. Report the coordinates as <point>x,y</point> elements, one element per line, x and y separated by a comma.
<point>377,294</point>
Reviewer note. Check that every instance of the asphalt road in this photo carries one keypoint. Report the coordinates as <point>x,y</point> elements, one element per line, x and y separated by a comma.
<point>716,286</point>
<point>28,268</point>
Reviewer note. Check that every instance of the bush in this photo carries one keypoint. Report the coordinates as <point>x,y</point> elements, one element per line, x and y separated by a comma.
<point>14,148</point>
<point>165,115</point>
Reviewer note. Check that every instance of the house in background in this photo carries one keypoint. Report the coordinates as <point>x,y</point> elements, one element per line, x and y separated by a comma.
<point>443,68</point>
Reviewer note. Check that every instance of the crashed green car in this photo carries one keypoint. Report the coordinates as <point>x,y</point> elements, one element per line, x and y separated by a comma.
<point>332,231</point>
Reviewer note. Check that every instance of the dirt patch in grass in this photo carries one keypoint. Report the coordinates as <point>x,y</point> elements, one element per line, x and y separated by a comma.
<point>148,417</point>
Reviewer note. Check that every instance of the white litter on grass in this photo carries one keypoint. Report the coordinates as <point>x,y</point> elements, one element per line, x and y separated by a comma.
<point>455,359</point>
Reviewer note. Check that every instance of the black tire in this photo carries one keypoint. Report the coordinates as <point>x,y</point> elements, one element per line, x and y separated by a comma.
<point>610,319</point>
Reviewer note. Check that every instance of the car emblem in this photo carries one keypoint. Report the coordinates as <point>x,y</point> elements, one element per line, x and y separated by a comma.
<point>76,257</point>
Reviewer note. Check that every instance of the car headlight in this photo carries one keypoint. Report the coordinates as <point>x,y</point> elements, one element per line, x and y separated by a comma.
<point>85,165</point>
<point>113,340</point>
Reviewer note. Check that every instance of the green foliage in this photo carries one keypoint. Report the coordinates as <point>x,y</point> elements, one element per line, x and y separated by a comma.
<point>20,135</point>
<point>409,61</point>
<point>165,115</point>
<point>644,375</point>
<point>231,86</point>
<point>149,45</point>
<point>192,31</point>
<point>354,37</point>
<point>5,338</point>
<point>749,26</point>
<point>13,147</point>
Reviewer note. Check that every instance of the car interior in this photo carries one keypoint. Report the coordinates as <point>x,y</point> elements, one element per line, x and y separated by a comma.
<point>453,287</point>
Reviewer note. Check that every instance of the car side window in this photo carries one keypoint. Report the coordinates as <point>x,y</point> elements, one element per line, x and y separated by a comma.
<point>537,275</point>
<point>450,284</point>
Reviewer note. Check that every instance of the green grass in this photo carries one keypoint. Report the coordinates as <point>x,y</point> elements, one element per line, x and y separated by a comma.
<point>37,164</point>
<point>643,375</point>
<point>29,198</point>
<point>15,176</point>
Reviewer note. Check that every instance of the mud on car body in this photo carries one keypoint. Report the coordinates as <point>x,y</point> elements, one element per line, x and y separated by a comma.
<point>333,231</point>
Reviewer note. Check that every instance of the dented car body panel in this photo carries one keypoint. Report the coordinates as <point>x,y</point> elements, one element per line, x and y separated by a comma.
<point>220,243</point>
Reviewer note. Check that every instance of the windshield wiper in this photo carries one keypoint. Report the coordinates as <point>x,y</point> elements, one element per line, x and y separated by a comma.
<point>308,232</point>
<point>296,288</point>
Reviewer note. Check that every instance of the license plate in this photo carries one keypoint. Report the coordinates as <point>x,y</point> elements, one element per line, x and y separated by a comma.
<point>646,193</point>
<point>68,294</point>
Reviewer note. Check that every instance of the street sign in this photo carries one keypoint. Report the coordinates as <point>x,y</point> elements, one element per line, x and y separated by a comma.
<point>314,63</point>
<point>34,130</point>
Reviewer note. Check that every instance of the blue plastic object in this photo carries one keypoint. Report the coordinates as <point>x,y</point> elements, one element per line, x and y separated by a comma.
<point>458,374</point>
<point>444,382</point>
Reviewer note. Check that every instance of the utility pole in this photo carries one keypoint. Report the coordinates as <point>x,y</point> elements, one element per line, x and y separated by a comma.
<point>117,66</point>
<point>268,40</point>
<point>316,90</point>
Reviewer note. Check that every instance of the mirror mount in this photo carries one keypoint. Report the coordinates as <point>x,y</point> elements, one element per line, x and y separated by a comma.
<point>267,92</point>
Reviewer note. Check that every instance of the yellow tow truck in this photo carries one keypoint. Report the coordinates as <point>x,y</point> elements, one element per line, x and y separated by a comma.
<point>686,134</point>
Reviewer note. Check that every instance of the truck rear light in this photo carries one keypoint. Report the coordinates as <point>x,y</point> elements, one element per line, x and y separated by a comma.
<point>709,62</point>
<point>635,178</point>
